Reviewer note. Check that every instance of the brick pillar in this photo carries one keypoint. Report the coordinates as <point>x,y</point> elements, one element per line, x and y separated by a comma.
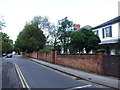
<point>100,61</point>
<point>56,53</point>
<point>45,56</point>
<point>53,56</point>
<point>37,55</point>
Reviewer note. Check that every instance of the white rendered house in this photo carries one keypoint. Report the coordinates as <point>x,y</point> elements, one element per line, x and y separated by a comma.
<point>109,33</point>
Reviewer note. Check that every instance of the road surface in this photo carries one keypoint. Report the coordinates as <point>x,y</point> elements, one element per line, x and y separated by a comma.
<point>33,75</point>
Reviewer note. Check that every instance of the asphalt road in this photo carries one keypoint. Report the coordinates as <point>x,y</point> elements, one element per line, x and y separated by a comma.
<point>37,76</point>
<point>9,76</point>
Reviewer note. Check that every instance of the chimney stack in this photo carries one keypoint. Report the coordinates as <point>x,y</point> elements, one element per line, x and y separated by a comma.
<point>77,26</point>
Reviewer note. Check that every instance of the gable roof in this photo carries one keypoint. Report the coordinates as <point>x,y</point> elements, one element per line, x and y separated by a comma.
<point>112,21</point>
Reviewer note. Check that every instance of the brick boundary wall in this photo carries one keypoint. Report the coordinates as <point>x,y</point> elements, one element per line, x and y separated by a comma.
<point>88,62</point>
<point>95,63</point>
<point>41,56</point>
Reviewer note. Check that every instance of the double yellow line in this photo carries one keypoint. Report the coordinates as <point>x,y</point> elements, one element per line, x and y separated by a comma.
<point>22,79</point>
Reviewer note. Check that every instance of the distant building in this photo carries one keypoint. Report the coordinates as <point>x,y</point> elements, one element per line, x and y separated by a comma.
<point>87,27</point>
<point>109,33</point>
<point>76,27</point>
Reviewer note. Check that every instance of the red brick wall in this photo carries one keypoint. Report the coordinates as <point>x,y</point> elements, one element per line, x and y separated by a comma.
<point>49,57</point>
<point>27,54</point>
<point>87,63</point>
<point>98,63</point>
<point>34,54</point>
<point>21,53</point>
<point>41,56</point>
<point>46,56</point>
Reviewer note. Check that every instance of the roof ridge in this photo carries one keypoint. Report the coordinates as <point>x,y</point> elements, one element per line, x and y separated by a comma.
<point>112,21</point>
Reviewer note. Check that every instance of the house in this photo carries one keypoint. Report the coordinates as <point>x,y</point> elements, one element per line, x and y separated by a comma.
<point>87,27</point>
<point>109,33</point>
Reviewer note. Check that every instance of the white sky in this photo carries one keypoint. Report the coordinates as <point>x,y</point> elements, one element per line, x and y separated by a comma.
<point>84,12</point>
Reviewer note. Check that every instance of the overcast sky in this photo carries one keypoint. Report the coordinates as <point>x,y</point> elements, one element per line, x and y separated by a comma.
<point>84,12</point>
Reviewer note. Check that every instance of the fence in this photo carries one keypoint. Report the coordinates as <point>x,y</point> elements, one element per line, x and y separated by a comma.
<point>111,65</point>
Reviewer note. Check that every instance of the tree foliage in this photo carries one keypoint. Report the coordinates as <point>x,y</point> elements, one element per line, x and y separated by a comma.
<point>2,23</point>
<point>65,27</point>
<point>84,39</point>
<point>30,39</point>
<point>41,22</point>
<point>7,43</point>
<point>46,49</point>
<point>53,37</point>
<point>57,36</point>
<point>77,42</point>
<point>48,28</point>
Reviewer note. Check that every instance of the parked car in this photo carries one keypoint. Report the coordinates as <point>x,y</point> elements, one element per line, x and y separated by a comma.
<point>4,54</point>
<point>9,55</point>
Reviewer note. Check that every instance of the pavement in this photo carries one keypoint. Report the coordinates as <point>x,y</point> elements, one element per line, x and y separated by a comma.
<point>95,78</point>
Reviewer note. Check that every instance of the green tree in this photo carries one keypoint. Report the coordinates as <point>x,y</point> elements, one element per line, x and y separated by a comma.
<point>77,43</point>
<point>49,29</point>
<point>2,25</point>
<point>84,39</point>
<point>44,24</point>
<point>7,43</point>
<point>41,22</point>
<point>53,39</point>
<point>47,48</point>
<point>30,39</point>
<point>91,40</point>
<point>65,27</point>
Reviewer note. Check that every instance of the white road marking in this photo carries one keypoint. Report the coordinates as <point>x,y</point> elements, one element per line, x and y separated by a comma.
<point>19,76</point>
<point>79,87</point>
<point>22,79</point>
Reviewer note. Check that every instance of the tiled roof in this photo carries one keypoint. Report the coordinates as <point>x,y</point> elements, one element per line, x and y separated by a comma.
<point>87,27</point>
<point>112,21</point>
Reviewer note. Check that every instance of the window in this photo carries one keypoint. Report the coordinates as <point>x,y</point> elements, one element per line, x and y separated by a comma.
<point>96,32</point>
<point>107,32</point>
